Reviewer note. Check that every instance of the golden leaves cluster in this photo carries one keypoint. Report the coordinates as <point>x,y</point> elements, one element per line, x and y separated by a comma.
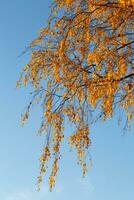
<point>81,67</point>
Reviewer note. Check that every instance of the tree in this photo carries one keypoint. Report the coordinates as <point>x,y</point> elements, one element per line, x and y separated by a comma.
<point>81,69</point>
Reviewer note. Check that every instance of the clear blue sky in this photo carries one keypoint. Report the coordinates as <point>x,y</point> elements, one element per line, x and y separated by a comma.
<point>112,174</point>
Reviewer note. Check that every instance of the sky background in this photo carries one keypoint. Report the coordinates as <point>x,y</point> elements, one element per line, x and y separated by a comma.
<point>112,174</point>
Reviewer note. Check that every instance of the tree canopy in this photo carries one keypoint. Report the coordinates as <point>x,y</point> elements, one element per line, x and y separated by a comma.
<point>81,70</point>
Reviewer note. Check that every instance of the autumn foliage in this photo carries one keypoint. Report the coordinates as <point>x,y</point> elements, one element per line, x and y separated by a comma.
<point>81,69</point>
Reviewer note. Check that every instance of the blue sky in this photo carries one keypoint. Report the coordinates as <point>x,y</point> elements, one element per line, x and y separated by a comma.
<point>112,174</point>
